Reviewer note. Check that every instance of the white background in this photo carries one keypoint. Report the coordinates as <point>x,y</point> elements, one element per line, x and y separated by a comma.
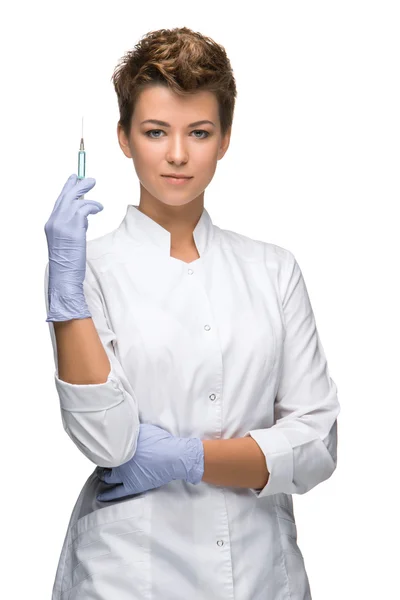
<point>313,166</point>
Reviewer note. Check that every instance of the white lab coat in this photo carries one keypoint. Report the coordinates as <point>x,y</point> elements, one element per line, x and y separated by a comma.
<point>220,348</point>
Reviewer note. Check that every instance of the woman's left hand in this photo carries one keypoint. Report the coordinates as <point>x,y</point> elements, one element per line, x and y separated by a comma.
<point>159,458</point>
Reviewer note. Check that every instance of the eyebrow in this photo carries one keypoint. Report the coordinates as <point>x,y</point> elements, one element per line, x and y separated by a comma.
<point>165,124</point>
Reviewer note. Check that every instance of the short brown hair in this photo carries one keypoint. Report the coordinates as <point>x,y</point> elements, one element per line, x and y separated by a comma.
<point>181,59</point>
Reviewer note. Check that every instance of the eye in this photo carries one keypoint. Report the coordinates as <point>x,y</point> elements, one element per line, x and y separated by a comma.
<point>202,131</point>
<point>195,130</point>
<point>151,131</point>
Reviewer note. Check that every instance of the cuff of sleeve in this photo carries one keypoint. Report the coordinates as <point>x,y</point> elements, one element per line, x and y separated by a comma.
<point>89,397</point>
<point>279,459</point>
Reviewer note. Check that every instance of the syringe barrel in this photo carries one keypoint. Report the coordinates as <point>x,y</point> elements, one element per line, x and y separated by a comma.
<point>81,164</point>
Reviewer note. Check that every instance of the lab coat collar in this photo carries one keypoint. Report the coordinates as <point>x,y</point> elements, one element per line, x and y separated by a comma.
<point>140,228</point>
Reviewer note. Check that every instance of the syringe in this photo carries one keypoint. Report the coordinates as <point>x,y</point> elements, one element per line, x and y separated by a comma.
<point>81,159</point>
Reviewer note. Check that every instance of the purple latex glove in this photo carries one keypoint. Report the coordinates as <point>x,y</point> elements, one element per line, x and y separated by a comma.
<point>66,239</point>
<point>159,458</point>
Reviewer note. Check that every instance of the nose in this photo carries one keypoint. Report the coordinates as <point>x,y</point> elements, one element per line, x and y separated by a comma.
<point>177,152</point>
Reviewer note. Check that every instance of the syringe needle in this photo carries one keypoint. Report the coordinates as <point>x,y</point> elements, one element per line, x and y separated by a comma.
<point>81,158</point>
<point>82,145</point>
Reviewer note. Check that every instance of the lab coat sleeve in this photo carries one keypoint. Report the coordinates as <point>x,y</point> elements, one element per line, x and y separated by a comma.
<point>101,419</point>
<point>301,447</point>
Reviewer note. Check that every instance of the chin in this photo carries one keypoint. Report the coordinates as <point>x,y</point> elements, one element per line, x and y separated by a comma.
<point>175,201</point>
<point>174,198</point>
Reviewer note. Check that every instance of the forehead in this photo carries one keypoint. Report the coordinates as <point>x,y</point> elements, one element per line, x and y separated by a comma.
<point>159,102</point>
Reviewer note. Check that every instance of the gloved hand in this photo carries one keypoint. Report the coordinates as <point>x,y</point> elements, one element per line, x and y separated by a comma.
<point>66,239</point>
<point>159,458</point>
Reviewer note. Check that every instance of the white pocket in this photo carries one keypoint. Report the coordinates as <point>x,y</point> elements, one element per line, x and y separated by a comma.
<point>287,524</point>
<point>107,553</point>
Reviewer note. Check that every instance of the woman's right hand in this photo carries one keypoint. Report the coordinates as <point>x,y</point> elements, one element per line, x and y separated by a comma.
<point>66,239</point>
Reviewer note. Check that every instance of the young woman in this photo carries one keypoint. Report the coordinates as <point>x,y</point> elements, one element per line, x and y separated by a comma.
<point>188,364</point>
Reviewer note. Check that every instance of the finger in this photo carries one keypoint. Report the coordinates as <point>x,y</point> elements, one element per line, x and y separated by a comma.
<point>112,476</point>
<point>82,186</point>
<point>101,471</point>
<point>75,192</point>
<point>69,184</point>
<point>89,207</point>
<point>117,492</point>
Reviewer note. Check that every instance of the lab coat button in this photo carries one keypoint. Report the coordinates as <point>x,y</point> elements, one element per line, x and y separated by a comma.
<point>220,543</point>
<point>207,327</point>
<point>190,271</point>
<point>212,396</point>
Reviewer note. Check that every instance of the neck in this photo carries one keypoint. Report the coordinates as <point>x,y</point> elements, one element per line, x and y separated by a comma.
<point>180,220</point>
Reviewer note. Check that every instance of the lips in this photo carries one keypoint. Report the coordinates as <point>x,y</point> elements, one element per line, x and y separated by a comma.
<point>177,176</point>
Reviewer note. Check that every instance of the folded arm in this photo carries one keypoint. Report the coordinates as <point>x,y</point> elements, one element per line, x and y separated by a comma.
<point>102,418</point>
<point>236,462</point>
<point>300,450</point>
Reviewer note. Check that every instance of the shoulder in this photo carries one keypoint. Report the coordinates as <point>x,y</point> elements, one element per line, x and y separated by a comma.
<point>250,249</point>
<point>101,245</point>
<point>105,250</point>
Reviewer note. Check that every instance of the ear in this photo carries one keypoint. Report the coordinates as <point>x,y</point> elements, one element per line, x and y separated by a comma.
<point>123,142</point>
<point>225,143</point>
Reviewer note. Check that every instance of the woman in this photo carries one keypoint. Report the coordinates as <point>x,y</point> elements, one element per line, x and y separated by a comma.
<point>188,364</point>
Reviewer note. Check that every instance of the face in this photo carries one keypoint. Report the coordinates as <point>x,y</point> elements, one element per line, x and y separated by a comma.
<point>158,150</point>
